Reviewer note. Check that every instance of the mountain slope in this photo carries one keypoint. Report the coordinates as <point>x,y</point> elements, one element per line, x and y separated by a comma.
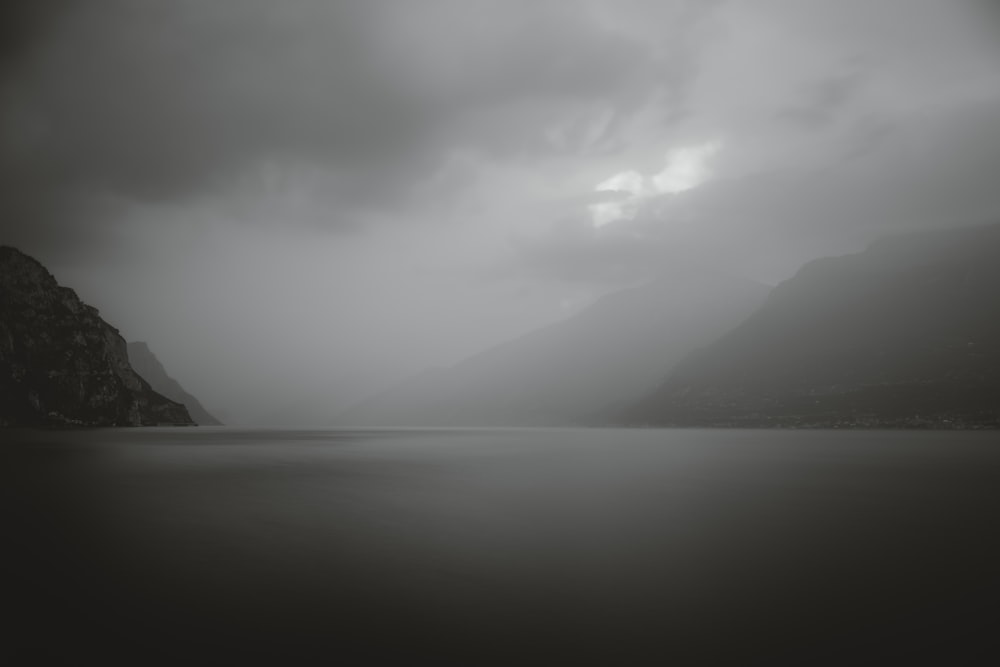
<point>906,333</point>
<point>576,370</point>
<point>60,363</point>
<point>145,363</point>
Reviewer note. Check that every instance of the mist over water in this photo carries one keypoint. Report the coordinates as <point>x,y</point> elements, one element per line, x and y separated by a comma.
<point>337,213</point>
<point>508,546</point>
<point>300,205</point>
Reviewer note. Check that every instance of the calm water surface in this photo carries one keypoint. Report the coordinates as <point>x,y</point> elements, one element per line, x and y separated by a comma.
<point>504,546</point>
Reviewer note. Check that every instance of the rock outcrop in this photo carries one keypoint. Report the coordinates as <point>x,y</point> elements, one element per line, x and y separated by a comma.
<point>61,364</point>
<point>145,363</point>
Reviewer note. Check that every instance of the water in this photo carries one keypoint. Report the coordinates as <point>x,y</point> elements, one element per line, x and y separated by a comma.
<point>504,546</point>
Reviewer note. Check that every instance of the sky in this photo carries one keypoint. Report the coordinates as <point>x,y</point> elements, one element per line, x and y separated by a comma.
<point>299,203</point>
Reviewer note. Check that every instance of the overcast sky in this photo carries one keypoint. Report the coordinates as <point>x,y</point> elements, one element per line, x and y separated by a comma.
<point>302,201</point>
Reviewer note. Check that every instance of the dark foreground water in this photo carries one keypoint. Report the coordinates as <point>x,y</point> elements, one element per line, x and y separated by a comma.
<point>515,547</point>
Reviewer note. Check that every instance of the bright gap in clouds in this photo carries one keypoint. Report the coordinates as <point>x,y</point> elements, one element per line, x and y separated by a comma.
<point>687,168</point>
<point>628,188</point>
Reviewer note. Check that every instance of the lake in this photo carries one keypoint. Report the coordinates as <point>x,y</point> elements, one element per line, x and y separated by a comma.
<point>503,546</point>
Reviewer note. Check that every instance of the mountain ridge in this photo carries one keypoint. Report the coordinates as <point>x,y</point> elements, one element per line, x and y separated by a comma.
<point>60,363</point>
<point>905,333</point>
<point>149,367</point>
<point>571,372</point>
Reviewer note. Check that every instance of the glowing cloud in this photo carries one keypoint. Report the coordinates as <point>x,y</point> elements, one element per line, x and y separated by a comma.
<point>629,184</point>
<point>687,168</point>
<point>626,181</point>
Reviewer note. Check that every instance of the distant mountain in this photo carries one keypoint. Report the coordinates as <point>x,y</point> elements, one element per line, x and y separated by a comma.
<point>60,363</point>
<point>145,363</point>
<point>576,371</point>
<point>906,333</point>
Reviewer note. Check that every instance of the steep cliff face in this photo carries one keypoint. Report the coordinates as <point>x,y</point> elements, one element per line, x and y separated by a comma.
<point>60,363</point>
<point>906,333</point>
<point>145,363</point>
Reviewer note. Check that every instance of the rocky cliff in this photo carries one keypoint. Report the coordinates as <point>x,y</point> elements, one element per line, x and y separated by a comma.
<point>145,363</point>
<point>61,364</point>
<point>905,334</point>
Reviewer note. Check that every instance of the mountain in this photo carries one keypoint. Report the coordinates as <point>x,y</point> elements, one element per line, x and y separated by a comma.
<point>145,363</point>
<point>576,370</point>
<point>906,333</point>
<point>60,363</point>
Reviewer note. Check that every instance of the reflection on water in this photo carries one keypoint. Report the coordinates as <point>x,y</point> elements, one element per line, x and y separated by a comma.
<point>506,546</point>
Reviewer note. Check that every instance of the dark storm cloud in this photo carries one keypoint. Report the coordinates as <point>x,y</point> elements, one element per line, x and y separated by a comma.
<point>148,101</point>
<point>125,100</point>
<point>21,22</point>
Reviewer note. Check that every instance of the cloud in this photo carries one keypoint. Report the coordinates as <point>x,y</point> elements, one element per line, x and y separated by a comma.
<point>134,100</point>
<point>686,168</point>
<point>400,183</point>
<point>823,100</point>
<point>840,126</point>
<point>629,187</point>
<point>935,168</point>
<point>626,181</point>
<point>111,103</point>
<point>575,251</point>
